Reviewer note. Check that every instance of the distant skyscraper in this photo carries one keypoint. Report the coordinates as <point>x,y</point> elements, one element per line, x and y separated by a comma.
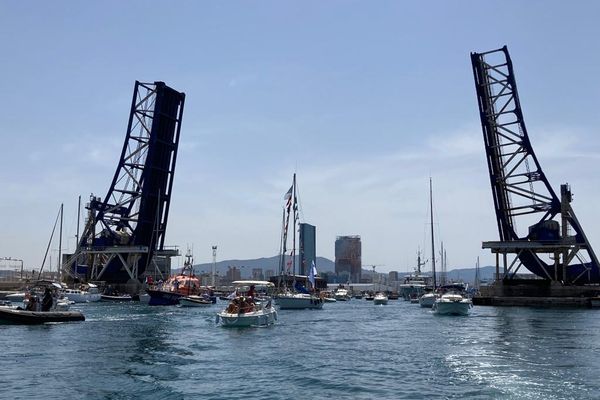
<point>348,250</point>
<point>308,247</point>
<point>393,276</point>
<point>233,274</point>
<point>257,274</point>
<point>269,273</point>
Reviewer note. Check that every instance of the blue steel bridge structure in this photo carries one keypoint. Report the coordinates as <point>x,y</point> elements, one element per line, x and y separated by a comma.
<point>537,228</point>
<point>125,231</point>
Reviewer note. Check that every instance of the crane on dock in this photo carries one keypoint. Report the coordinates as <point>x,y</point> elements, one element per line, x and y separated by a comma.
<point>125,231</point>
<point>554,246</point>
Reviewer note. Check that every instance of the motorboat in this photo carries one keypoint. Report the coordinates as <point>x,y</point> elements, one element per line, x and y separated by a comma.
<point>414,284</point>
<point>328,297</point>
<point>414,298</point>
<point>35,287</point>
<point>85,294</point>
<point>250,305</point>
<point>291,301</point>
<point>195,301</point>
<point>427,300</point>
<point>25,317</point>
<point>380,299</point>
<point>183,284</point>
<point>369,296</point>
<point>248,312</point>
<point>452,304</point>
<point>341,294</point>
<point>119,297</point>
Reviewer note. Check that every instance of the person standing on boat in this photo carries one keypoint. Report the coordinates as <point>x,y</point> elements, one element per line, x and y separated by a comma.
<point>251,292</point>
<point>47,300</point>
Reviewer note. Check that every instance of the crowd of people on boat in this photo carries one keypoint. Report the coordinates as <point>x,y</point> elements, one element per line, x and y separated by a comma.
<point>242,304</point>
<point>47,302</point>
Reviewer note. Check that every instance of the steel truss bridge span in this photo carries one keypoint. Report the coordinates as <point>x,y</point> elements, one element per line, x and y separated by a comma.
<point>125,230</point>
<point>554,246</point>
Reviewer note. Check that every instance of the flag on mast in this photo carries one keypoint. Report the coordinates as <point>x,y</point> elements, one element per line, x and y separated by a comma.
<point>288,195</point>
<point>312,273</point>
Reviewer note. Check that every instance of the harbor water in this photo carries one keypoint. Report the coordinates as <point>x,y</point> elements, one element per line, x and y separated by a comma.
<point>348,350</point>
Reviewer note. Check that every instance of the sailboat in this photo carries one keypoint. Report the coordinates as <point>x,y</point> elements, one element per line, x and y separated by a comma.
<point>296,297</point>
<point>451,299</point>
<point>428,299</point>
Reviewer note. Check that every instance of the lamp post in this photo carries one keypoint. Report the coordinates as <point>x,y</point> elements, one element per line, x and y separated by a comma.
<point>214,266</point>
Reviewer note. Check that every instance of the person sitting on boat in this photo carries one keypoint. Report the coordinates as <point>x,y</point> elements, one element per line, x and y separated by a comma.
<point>32,303</point>
<point>251,292</point>
<point>47,300</point>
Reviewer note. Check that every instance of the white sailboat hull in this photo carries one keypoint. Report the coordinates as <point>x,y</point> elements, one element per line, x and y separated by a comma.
<point>298,301</point>
<point>259,318</point>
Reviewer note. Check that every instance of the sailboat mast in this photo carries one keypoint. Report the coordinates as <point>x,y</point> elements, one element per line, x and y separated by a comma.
<point>78,217</point>
<point>59,264</point>
<point>432,236</point>
<point>294,207</point>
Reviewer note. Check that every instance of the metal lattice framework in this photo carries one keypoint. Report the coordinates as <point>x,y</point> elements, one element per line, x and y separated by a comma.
<point>520,189</point>
<point>124,230</point>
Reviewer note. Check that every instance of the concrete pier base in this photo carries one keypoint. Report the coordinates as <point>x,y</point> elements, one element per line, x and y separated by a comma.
<point>538,293</point>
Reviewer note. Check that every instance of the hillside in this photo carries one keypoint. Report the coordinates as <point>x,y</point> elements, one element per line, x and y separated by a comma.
<point>272,263</point>
<point>326,265</point>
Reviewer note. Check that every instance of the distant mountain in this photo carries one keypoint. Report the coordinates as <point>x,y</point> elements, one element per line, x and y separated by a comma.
<point>468,274</point>
<point>323,265</point>
<point>326,265</point>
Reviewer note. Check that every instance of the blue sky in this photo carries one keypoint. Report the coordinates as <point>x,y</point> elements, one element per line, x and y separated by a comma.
<point>364,100</point>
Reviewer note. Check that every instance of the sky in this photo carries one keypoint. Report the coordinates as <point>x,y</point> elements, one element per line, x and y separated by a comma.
<point>363,100</point>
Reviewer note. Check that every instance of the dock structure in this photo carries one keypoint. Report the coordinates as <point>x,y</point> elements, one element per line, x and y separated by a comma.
<point>554,247</point>
<point>123,238</point>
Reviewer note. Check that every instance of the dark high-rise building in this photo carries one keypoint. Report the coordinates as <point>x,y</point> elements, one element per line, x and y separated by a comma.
<point>308,248</point>
<point>348,252</point>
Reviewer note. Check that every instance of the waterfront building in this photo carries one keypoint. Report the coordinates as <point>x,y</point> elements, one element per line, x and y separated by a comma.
<point>257,274</point>
<point>269,273</point>
<point>348,250</point>
<point>233,274</point>
<point>308,248</point>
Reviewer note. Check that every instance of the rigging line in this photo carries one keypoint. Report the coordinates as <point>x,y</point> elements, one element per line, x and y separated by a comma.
<point>49,243</point>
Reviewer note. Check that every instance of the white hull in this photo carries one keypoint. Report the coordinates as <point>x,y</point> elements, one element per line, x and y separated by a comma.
<point>427,300</point>
<point>341,295</point>
<point>298,302</point>
<point>83,297</point>
<point>380,300</point>
<point>263,314</point>
<point>194,301</point>
<point>15,297</point>
<point>452,305</point>
<point>259,318</point>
